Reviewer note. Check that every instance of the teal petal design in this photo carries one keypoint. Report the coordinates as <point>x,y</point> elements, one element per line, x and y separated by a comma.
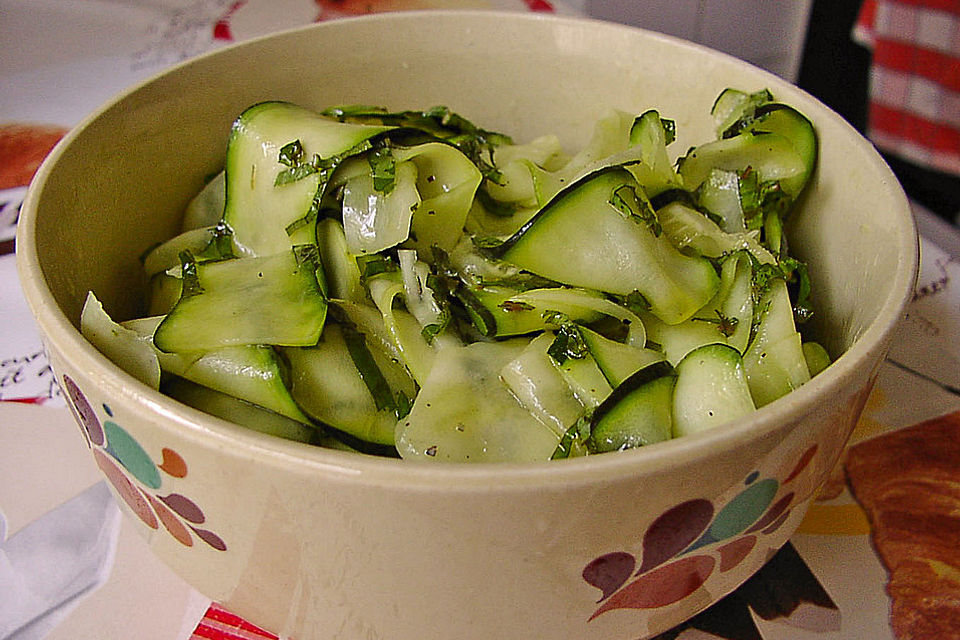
<point>131,455</point>
<point>739,513</point>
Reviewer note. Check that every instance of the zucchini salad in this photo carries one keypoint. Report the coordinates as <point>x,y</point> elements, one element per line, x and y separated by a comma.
<point>409,284</point>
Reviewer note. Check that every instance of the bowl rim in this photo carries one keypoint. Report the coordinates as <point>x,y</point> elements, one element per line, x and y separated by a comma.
<point>205,430</point>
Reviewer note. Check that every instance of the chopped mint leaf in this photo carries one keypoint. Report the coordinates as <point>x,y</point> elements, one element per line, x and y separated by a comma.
<point>370,373</point>
<point>374,264</point>
<point>293,174</point>
<point>568,343</point>
<point>291,154</point>
<point>635,302</point>
<point>669,130</point>
<point>631,203</point>
<point>726,325</point>
<point>384,169</point>
<point>191,280</point>
<point>404,405</point>
<point>574,441</point>
<point>437,122</point>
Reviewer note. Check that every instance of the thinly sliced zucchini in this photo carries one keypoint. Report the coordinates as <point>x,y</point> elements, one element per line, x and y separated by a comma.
<point>419,296</point>
<point>339,266</point>
<point>719,194</point>
<point>238,411</point>
<point>376,220</point>
<point>687,227</point>
<point>248,372</point>
<point>492,313</point>
<point>732,106</point>
<point>164,292</point>
<point>786,121</point>
<point>726,319</point>
<point>732,309</point>
<point>581,302</point>
<point>167,254</point>
<point>516,312</point>
<point>816,357</point>
<point>121,345</point>
<point>257,208</point>
<point>675,341</point>
<point>447,181</point>
<point>617,361</point>
<point>611,144</point>
<point>539,386</point>
<point>275,300</point>
<point>206,208</point>
<point>326,382</point>
<point>518,165</point>
<point>585,379</point>
<point>711,389</point>
<point>464,413</point>
<point>771,155</point>
<point>775,362</point>
<point>395,331</point>
<point>252,373</point>
<point>638,412</point>
<point>654,172</point>
<point>405,332</point>
<point>611,137</point>
<point>584,238</point>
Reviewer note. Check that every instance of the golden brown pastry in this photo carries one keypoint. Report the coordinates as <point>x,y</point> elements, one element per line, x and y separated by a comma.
<point>908,481</point>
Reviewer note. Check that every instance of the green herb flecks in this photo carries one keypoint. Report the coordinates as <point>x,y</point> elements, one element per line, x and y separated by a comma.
<point>437,122</point>
<point>726,325</point>
<point>191,280</point>
<point>635,302</point>
<point>574,441</point>
<point>383,168</point>
<point>669,130</point>
<point>370,373</point>
<point>220,246</point>
<point>794,273</point>
<point>568,342</point>
<point>441,294</point>
<point>374,264</point>
<point>404,405</point>
<point>798,276</point>
<point>760,200</point>
<point>628,201</point>
<point>292,155</point>
<point>480,318</point>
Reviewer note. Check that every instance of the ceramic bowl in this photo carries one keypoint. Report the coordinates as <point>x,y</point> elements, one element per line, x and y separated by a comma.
<point>316,543</point>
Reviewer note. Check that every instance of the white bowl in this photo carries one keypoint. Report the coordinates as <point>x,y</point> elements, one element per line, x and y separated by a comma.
<point>319,543</point>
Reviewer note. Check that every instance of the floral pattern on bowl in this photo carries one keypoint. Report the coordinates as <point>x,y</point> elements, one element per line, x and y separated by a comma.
<point>687,543</point>
<point>137,479</point>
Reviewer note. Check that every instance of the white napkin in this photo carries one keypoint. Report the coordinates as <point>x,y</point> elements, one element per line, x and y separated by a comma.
<point>50,564</point>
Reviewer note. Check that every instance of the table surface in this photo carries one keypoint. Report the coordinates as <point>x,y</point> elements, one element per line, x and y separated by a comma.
<point>44,463</point>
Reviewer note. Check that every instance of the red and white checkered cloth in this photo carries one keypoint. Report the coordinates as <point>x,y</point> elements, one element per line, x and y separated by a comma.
<point>914,109</point>
<point>220,624</point>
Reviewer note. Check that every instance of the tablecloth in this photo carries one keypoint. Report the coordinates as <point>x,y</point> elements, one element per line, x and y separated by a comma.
<point>914,101</point>
<point>830,582</point>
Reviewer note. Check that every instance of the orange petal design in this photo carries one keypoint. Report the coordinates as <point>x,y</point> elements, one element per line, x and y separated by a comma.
<point>173,464</point>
